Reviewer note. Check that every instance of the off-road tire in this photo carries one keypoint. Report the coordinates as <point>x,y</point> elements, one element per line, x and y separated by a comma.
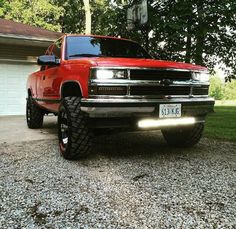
<point>75,137</point>
<point>34,114</point>
<point>184,136</point>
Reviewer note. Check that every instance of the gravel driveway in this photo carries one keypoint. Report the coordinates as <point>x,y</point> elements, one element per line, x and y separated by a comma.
<point>132,180</point>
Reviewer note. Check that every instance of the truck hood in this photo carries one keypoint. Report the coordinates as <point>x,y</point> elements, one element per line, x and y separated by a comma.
<point>143,63</point>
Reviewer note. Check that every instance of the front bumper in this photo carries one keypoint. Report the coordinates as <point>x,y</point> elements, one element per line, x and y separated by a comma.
<point>128,107</point>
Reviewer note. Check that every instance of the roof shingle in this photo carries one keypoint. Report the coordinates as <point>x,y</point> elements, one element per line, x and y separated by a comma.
<point>8,27</point>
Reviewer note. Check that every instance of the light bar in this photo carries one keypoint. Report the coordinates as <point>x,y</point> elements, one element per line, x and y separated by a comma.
<point>153,123</point>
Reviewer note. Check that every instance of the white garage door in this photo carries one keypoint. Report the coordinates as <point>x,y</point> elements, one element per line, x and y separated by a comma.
<point>13,79</point>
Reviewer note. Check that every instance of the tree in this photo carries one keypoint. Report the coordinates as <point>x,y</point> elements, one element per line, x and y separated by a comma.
<point>109,18</point>
<point>87,17</point>
<point>76,17</point>
<point>2,7</point>
<point>216,88</point>
<point>193,31</point>
<point>73,17</point>
<point>230,90</point>
<point>197,31</point>
<point>41,13</point>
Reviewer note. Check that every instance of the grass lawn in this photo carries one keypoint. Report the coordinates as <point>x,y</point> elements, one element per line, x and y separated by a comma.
<point>222,123</point>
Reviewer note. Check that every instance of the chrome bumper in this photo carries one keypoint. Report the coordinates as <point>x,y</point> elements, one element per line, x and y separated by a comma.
<point>128,107</point>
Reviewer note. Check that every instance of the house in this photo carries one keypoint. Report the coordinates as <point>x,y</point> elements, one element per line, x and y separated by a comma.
<point>20,45</point>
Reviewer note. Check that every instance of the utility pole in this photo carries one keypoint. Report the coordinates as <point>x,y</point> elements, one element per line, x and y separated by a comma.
<point>87,17</point>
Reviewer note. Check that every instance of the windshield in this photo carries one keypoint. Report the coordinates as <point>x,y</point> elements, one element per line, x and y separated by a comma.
<point>78,47</point>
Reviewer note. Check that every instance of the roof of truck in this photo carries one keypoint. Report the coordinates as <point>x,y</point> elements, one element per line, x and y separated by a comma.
<point>98,36</point>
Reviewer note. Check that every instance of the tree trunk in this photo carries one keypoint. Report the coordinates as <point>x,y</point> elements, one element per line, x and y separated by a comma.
<point>189,42</point>
<point>87,17</point>
<point>199,49</point>
<point>200,34</point>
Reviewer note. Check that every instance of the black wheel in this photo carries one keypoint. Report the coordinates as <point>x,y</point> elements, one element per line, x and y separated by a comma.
<point>34,114</point>
<point>73,132</point>
<point>184,136</point>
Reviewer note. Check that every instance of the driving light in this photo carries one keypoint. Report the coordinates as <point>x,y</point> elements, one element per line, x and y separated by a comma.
<point>153,123</point>
<point>201,76</point>
<point>111,74</point>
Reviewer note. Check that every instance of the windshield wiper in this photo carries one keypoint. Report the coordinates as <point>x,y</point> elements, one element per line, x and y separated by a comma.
<point>85,55</point>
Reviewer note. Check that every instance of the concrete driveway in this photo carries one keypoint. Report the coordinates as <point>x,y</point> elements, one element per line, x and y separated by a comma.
<point>14,129</point>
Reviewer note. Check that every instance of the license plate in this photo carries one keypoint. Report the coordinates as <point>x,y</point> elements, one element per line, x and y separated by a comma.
<point>169,110</point>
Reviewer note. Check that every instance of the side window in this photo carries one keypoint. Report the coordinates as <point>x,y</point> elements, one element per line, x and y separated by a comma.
<point>57,49</point>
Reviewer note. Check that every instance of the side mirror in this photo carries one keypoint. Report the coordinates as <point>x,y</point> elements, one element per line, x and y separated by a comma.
<point>49,60</point>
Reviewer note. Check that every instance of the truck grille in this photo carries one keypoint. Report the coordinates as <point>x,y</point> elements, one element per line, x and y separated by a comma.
<point>153,74</point>
<point>142,83</point>
<point>159,90</point>
<point>203,90</point>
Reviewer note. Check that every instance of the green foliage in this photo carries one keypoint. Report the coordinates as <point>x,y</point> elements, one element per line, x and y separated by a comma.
<point>72,19</point>
<point>216,88</point>
<point>230,90</point>
<point>222,91</point>
<point>114,18</point>
<point>3,8</point>
<point>41,13</point>
<point>195,31</point>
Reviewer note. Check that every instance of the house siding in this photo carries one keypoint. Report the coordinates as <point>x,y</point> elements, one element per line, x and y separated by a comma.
<point>20,53</point>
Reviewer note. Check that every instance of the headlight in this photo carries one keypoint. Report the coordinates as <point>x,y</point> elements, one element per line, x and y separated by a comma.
<point>110,74</point>
<point>201,76</point>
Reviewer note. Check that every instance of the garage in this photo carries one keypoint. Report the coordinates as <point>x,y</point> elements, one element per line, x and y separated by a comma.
<point>20,45</point>
<point>12,87</point>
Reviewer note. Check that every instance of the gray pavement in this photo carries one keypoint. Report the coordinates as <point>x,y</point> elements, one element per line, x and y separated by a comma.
<point>14,129</point>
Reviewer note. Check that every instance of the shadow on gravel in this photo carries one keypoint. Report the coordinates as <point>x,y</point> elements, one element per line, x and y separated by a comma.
<point>144,144</point>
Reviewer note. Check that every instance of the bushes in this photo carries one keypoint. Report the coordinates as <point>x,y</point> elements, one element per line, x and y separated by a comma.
<point>230,90</point>
<point>222,91</point>
<point>216,88</point>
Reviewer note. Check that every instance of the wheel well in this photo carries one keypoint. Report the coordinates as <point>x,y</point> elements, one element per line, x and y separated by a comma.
<point>70,89</point>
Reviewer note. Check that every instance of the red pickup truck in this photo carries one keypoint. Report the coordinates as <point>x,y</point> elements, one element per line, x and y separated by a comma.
<point>93,82</point>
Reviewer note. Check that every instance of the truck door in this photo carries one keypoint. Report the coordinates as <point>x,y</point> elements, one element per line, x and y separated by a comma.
<point>41,77</point>
<point>39,86</point>
<point>51,79</point>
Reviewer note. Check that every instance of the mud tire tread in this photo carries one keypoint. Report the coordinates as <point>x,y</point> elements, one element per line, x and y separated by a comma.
<point>35,119</point>
<point>80,136</point>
